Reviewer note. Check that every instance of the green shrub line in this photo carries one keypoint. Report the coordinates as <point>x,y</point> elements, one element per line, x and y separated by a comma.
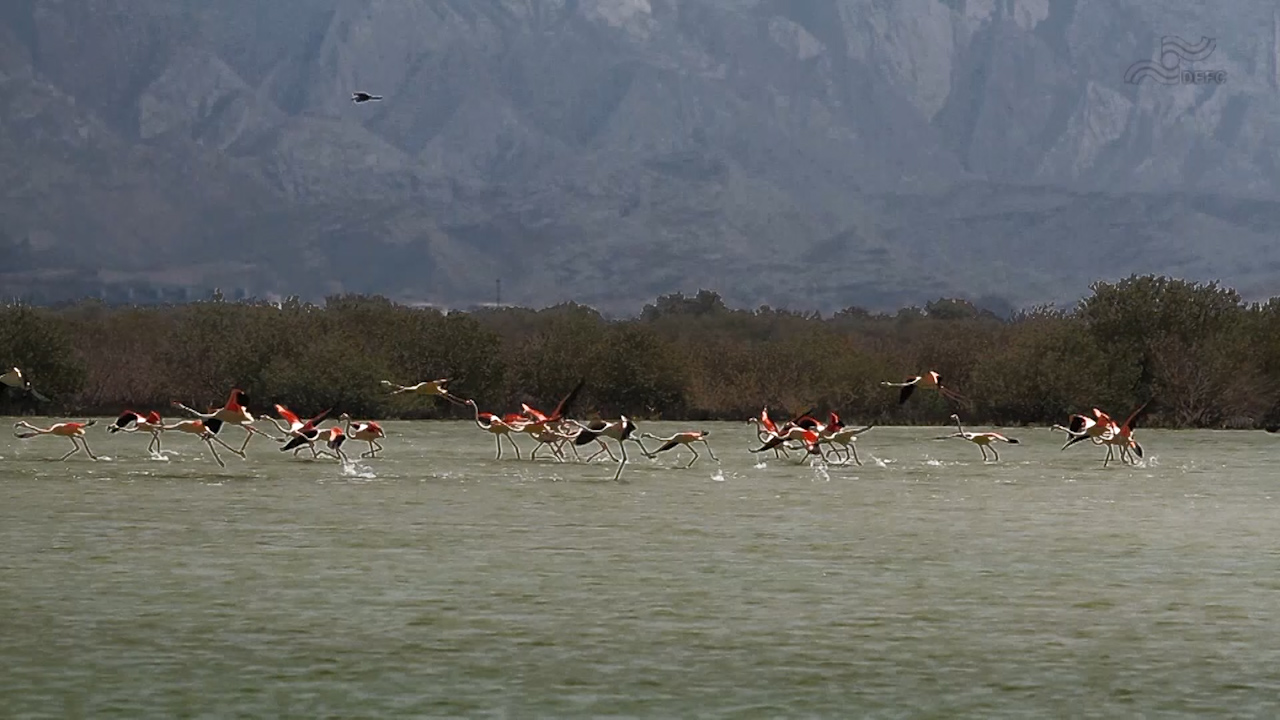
<point>1203,356</point>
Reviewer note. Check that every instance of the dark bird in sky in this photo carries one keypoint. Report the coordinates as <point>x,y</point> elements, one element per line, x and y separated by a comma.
<point>359,97</point>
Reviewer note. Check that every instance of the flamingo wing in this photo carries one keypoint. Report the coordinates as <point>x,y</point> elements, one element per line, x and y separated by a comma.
<point>126,418</point>
<point>563,406</point>
<point>906,392</point>
<point>288,415</point>
<point>317,419</point>
<point>1134,416</point>
<point>533,413</point>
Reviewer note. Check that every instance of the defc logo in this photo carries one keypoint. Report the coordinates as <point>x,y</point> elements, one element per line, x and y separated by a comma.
<point>1175,54</point>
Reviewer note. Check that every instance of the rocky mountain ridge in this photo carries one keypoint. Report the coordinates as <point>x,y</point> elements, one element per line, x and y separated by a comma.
<point>800,153</point>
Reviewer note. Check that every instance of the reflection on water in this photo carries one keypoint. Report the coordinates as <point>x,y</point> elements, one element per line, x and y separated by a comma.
<point>439,582</point>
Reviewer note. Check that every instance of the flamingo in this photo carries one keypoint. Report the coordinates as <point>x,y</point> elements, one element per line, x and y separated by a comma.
<point>537,417</point>
<point>570,431</point>
<point>368,432</point>
<point>1121,437</point>
<point>71,430</point>
<point>553,437</point>
<point>360,97</point>
<point>807,438</point>
<point>929,381</point>
<point>828,432</point>
<point>435,388</point>
<point>131,422</point>
<point>687,439</point>
<point>499,427</point>
<point>233,413</point>
<point>765,429</point>
<point>982,440</point>
<point>1125,433</point>
<point>619,431</point>
<point>297,429</point>
<point>1123,446</point>
<point>764,424</point>
<point>836,432</point>
<point>206,429</point>
<point>16,380</point>
<point>334,443</point>
<point>1105,431</point>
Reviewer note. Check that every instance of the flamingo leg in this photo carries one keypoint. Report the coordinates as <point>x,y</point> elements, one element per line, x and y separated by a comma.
<point>713,455</point>
<point>220,441</point>
<point>514,444</point>
<point>248,435</point>
<point>695,456</point>
<point>853,451</point>
<point>209,441</point>
<point>75,448</point>
<point>996,453</point>
<point>623,447</point>
<point>604,448</point>
<point>87,450</point>
<point>498,441</point>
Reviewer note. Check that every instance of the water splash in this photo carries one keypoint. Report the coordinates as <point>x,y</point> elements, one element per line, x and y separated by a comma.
<point>718,475</point>
<point>820,470</point>
<point>761,465</point>
<point>355,470</point>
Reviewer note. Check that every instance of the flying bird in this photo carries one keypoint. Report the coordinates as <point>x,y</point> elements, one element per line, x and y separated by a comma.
<point>16,380</point>
<point>929,381</point>
<point>426,387</point>
<point>359,97</point>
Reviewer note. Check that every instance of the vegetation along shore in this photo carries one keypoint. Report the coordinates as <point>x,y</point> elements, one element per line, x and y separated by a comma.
<point>1197,351</point>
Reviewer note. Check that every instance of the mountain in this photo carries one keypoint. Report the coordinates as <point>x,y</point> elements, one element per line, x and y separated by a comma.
<point>799,153</point>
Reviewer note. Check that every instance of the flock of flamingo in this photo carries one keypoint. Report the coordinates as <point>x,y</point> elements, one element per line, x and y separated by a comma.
<point>832,440</point>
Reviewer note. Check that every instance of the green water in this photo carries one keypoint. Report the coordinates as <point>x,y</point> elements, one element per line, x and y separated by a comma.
<point>439,582</point>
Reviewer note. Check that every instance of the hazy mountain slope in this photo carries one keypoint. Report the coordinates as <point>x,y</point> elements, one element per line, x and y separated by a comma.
<point>820,153</point>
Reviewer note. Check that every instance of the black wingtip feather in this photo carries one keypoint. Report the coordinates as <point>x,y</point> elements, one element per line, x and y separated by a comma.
<point>905,393</point>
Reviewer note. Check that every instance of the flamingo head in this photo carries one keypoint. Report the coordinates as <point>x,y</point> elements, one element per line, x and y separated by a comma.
<point>954,416</point>
<point>936,377</point>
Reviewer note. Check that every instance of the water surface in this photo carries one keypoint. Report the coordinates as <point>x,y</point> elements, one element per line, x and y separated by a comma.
<point>437,581</point>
